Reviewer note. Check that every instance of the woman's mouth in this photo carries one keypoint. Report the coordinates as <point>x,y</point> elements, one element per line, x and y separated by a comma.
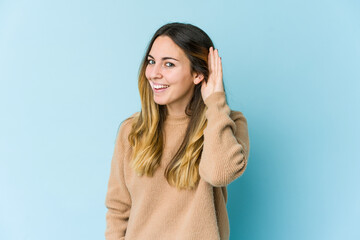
<point>159,87</point>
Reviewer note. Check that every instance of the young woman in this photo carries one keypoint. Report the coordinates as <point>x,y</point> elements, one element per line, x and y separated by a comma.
<point>173,159</point>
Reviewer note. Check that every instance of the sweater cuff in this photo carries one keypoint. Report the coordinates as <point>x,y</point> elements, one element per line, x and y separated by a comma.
<point>216,104</point>
<point>214,98</point>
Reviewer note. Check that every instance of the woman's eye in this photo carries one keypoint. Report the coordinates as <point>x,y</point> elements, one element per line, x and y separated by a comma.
<point>168,64</point>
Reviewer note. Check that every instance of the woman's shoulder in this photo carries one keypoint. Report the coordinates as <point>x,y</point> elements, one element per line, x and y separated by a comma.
<point>130,119</point>
<point>126,125</point>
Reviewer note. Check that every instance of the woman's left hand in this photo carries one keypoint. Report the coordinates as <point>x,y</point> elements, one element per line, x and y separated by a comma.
<point>215,80</point>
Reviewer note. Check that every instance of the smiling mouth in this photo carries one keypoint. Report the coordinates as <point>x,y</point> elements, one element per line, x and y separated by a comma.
<point>158,87</point>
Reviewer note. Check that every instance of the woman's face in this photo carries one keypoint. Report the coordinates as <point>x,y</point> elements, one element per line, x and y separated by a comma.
<point>168,71</point>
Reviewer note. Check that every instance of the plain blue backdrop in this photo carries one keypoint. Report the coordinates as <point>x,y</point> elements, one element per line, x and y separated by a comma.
<point>68,72</point>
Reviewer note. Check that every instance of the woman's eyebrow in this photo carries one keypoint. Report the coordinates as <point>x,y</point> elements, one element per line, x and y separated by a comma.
<point>164,58</point>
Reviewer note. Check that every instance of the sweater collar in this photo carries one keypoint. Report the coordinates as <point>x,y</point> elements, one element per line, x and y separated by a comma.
<point>177,119</point>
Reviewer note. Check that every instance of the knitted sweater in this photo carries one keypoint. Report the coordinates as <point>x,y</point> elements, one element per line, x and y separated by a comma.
<point>148,208</point>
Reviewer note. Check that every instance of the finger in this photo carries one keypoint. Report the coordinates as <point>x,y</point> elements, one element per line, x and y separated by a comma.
<point>212,67</point>
<point>216,60</point>
<point>218,68</point>
<point>209,59</point>
<point>220,65</point>
<point>216,64</point>
<point>212,60</point>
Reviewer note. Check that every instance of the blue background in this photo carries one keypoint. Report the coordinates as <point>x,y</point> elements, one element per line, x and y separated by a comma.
<point>68,72</point>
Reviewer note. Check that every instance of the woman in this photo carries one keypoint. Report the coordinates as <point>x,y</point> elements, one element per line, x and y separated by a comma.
<point>173,159</point>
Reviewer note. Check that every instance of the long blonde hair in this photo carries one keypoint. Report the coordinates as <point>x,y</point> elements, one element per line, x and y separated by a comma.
<point>146,135</point>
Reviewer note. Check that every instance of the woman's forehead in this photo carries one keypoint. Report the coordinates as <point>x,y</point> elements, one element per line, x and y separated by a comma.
<point>165,47</point>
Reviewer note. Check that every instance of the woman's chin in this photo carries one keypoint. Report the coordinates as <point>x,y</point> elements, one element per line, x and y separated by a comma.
<point>159,101</point>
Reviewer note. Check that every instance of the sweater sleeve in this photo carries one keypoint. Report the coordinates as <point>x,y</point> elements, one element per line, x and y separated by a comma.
<point>226,143</point>
<point>118,200</point>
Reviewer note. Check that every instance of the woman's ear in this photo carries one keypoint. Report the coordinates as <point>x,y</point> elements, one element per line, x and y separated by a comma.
<point>198,77</point>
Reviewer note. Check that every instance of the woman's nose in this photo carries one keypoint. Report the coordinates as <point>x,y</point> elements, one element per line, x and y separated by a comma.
<point>155,71</point>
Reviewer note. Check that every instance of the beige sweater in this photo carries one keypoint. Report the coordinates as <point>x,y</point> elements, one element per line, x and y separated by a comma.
<point>148,208</point>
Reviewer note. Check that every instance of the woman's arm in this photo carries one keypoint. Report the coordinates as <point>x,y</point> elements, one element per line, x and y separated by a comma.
<point>118,201</point>
<point>226,143</point>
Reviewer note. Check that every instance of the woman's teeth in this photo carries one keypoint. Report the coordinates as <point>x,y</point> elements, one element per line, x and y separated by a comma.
<point>160,86</point>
